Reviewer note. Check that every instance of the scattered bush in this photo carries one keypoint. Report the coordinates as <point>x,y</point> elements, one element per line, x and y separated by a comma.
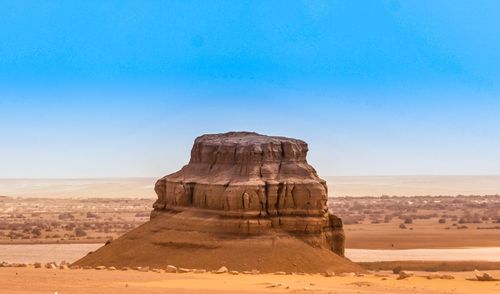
<point>79,232</point>
<point>397,270</point>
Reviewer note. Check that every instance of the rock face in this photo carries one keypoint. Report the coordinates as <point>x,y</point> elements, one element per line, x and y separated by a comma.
<point>254,183</point>
<point>244,202</point>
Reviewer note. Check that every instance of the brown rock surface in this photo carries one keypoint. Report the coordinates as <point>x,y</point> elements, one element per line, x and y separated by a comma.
<point>245,201</point>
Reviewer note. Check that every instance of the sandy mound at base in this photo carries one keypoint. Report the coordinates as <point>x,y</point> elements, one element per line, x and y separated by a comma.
<point>197,241</point>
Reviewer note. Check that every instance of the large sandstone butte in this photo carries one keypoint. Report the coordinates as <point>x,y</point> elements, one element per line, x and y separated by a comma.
<point>246,201</point>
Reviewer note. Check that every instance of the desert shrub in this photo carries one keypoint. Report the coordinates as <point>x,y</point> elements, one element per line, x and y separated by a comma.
<point>402,226</point>
<point>142,214</point>
<point>91,215</point>
<point>79,232</point>
<point>442,221</point>
<point>66,216</point>
<point>36,232</point>
<point>69,227</point>
<point>397,270</point>
<point>408,220</point>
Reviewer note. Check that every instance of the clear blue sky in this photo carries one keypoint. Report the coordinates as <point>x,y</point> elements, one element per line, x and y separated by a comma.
<point>121,88</point>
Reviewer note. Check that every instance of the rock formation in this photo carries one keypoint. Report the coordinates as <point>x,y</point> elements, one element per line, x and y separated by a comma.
<point>245,201</point>
<point>255,183</point>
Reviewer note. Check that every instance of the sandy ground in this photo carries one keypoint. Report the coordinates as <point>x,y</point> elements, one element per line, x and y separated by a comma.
<point>412,185</point>
<point>425,234</point>
<point>75,188</point>
<point>30,280</point>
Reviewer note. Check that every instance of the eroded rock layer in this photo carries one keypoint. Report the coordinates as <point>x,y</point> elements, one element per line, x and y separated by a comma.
<point>251,184</point>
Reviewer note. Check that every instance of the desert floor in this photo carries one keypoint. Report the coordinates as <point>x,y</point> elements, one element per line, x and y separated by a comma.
<point>31,280</point>
<point>38,213</point>
<point>369,222</point>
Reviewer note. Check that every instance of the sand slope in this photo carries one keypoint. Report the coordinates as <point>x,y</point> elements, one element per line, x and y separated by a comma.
<point>199,243</point>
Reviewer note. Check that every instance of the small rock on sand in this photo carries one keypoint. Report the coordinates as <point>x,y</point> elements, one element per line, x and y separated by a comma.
<point>346,274</point>
<point>484,277</point>
<point>221,270</point>
<point>37,265</point>
<point>63,267</point>
<point>199,271</point>
<point>234,272</point>
<point>404,274</point>
<point>171,269</point>
<point>143,269</point>
<point>112,268</point>
<point>329,274</point>
<point>100,267</point>
<point>274,285</point>
<point>183,270</point>
<point>50,265</point>
<point>252,272</point>
<point>280,273</point>
<point>442,277</point>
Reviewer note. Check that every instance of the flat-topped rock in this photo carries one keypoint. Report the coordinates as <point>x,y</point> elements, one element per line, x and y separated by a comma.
<point>256,183</point>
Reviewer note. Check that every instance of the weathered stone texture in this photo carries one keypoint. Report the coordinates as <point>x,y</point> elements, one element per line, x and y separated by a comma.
<point>253,183</point>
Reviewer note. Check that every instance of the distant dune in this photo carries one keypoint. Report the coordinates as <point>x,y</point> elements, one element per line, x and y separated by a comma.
<point>338,186</point>
<point>78,188</point>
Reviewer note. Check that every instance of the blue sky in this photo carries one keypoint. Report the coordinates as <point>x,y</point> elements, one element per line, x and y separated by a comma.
<point>121,88</point>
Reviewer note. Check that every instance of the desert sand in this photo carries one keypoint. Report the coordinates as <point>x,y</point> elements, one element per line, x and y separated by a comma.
<point>79,188</point>
<point>370,222</point>
<point>31,280</point>
<point>419,185</point>
<point>338,186</point>
<point>425,234</point>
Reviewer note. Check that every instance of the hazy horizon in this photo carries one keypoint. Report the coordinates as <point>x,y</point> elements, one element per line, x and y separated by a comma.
<point>337,185</point>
